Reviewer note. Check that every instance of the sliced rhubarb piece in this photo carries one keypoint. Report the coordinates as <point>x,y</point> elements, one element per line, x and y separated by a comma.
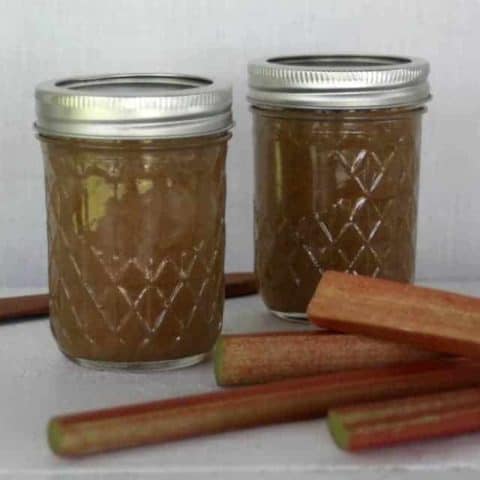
<point>381,424</point>
<point>287,400</point>
<point>265,357</point>
<point>432,319</point>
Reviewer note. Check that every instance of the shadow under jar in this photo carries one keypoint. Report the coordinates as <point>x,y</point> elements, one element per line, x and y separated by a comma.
<point>135,187</point>
<point>337,145</point>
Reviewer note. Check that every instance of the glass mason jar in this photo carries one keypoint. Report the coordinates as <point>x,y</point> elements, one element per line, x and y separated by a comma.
<point>135,188</point>
<point>337,145</point>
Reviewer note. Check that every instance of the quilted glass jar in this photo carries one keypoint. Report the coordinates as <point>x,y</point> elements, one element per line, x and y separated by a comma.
<point>337,146</point>
<point>135,183</point>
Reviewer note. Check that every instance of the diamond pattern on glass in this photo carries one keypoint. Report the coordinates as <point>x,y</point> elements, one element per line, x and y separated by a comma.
<point>136,250</point>
<point>333,195</point>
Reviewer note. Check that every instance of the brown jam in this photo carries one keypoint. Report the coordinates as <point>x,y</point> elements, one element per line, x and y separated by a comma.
<point>335,190</point>
<point>136,246</point>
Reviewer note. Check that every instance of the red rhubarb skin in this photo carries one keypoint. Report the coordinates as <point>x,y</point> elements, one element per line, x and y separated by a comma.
<point>288,400</point>
<point>260,358</point>
<point>432,319</point>
<point>382,424</point>
<point>239,284</point>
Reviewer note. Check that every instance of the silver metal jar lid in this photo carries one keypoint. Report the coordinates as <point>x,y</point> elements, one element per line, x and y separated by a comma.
<point>338,82</point>
<point>133,106</point>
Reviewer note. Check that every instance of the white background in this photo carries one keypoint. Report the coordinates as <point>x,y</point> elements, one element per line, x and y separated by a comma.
<point>41,39</point>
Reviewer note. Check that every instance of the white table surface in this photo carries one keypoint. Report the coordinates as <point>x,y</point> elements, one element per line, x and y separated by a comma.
<point>37,382</point>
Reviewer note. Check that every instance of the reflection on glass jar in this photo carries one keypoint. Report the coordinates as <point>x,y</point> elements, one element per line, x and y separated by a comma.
<point>136,247</point>
<point>335,188</point>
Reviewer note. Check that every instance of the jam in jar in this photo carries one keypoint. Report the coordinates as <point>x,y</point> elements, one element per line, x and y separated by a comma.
<point>337,148</point>
<point>135,186</point>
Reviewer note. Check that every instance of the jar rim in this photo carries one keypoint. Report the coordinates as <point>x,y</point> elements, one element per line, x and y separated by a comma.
<point>339,81</point>
<point>142,105</point>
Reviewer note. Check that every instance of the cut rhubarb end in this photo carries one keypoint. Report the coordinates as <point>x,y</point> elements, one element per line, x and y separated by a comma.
<point>218,361</point>
<point>338,431</point>
<point>54,433</point>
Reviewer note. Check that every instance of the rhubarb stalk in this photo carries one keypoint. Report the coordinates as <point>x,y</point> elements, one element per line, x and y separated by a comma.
<point>20,307</point>
<point>265,357</point>
<point>432,319</point>
<point>386,423</point>
<point>287,400</point>
<point>239,284</point>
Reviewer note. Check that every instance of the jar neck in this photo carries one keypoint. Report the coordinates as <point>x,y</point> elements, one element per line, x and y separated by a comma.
<point>137,144</point>
<point>313,114</point>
